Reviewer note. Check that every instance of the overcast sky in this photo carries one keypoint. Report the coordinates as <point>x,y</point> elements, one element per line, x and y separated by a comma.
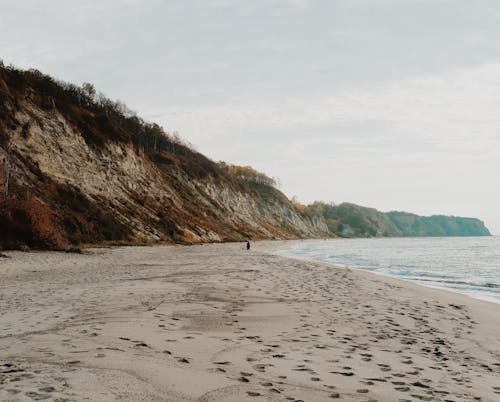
<point>393,104</point>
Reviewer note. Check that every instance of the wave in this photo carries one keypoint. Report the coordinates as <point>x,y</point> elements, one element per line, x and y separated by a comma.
<point>466,265</point>
<point>488,285</point>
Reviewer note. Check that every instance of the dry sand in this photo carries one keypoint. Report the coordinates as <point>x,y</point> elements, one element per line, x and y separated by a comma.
<point>218,323</point>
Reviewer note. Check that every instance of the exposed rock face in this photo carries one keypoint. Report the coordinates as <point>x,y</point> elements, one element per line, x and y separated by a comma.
<point>83,169</point>
<point>115,190</point>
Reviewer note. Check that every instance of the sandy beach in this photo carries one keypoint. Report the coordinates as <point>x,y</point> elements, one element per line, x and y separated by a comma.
<point>218,323</point>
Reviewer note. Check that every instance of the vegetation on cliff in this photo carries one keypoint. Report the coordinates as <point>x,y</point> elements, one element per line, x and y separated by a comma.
<point>350,220</point>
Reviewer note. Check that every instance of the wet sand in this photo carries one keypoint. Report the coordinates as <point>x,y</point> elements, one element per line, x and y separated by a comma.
<point>218,323</point>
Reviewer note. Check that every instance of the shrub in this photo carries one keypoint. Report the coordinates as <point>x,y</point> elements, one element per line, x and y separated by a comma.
<point>29,221</point>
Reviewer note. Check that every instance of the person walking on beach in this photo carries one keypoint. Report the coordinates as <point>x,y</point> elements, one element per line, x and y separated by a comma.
<point>248,245</point>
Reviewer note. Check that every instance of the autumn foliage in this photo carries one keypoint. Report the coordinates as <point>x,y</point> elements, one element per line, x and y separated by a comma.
<point>29,221</point>
<point>248,174</point>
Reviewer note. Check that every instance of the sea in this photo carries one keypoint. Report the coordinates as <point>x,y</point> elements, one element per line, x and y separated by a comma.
<point>468,265</point>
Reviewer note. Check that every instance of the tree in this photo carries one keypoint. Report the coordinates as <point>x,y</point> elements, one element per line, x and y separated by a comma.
<point>4,176</point>
<point>247,173</point>
<point>89,90</point>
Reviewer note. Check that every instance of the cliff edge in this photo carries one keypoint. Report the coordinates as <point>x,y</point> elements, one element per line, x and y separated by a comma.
<point>80,168</point>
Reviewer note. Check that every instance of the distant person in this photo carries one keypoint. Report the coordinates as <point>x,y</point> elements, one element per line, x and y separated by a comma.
<point>248,245</point>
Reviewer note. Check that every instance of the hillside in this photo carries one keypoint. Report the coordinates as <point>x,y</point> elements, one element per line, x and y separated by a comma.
<point>437,225</point>
<point>84,169</point>
<point>350,220</point>
<point>79,168</point>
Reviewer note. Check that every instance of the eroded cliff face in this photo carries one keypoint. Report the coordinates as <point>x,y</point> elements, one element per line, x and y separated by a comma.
<point>116,191</point>
<point>76,167</point>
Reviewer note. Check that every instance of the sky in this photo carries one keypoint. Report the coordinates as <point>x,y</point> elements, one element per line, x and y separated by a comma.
<point>392,104</point>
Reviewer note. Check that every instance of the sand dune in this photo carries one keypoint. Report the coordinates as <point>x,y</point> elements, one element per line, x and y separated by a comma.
<point>218,323</point>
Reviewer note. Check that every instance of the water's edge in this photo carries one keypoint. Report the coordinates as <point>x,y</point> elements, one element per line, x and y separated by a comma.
<point>468,266</point>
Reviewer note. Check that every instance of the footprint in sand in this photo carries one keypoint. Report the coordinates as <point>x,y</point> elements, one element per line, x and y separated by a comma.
<point>384,367</point>
<point>402,389</point>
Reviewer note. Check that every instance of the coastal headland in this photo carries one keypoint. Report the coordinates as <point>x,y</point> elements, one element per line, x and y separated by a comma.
<point>216,322</point>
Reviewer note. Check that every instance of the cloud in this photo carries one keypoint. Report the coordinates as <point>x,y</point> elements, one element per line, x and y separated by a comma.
<point>427,144</point>
<point>459,107</point>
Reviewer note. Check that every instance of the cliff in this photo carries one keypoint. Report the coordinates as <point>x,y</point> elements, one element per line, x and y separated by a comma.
<point>350,220</point>
<point>77,167</point>
<point>437,225</point>
<point>84,169</point>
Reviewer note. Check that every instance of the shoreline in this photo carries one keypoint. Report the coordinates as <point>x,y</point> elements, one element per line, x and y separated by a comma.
<point>414,282</point>
<point>473,295</point>
<point>214,322</point>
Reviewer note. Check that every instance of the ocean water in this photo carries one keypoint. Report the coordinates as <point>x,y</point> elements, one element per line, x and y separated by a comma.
<point>469,265</point>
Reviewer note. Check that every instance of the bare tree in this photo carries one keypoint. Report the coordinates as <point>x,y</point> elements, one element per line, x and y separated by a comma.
<point>7,177</point>
<point>89,89</point>
<point>4,175</point>
<point>176,139</point>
